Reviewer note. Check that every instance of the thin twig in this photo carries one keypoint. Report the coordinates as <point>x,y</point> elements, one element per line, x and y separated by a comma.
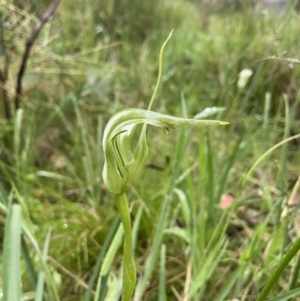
<point>30,41</point>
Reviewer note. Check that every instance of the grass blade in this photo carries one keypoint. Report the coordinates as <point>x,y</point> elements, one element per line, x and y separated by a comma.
<point>12,255</point>
<point>229,284</point>
<point>107,263</point>
<point>163,217</point>
<point>3,196</point>
<point>29,264</point>
<point>281,267</point>
<point>267,153</point>
<point>50,282</point>
<point>41,277</point>
<point>109,238</point>
<point>162,274</point>
<point>206,268</point>
<point>88,162</point>
<point>285,296</point>
<point>17,137</point>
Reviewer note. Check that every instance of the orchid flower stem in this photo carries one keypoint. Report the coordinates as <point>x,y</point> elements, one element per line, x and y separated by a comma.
<point>129,273</point>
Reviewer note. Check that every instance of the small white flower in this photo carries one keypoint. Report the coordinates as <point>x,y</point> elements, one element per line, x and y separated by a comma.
<point>243,78</point>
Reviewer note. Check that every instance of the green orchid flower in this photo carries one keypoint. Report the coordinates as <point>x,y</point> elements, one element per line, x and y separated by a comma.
<point>122,160</point>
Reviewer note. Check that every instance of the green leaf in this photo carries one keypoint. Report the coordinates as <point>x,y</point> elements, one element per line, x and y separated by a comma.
<point>12,255</point>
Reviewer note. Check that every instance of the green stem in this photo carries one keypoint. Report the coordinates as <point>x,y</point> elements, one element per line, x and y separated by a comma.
<point>282,265</point>
<point>129,274</point>
<point>161,52</point>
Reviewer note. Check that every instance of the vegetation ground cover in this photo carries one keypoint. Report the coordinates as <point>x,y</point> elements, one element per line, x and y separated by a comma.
<point>94,59</point>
